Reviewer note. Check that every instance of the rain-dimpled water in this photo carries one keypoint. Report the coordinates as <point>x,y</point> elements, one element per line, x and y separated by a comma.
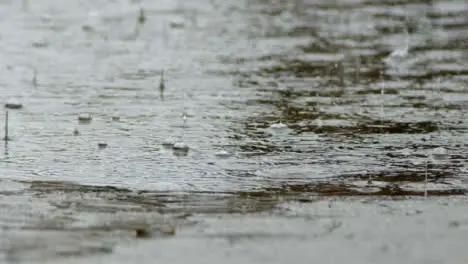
<point>247,131</point>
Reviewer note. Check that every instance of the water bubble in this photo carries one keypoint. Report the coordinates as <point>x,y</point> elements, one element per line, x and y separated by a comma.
<point>13,104</point>
<point>180,146</point>
<point>180,149</point>
<point>319,122</point>
<point>40,43</point>
<point>162,86</point>
<point>141,17</point>
<point>46,18</point>
<point>102,145</point>
<point>184,117</point>
<point>278,126</point>
<point>399,53</point>
<point>84,118</point>
<point>439,154</point>
<point>177,23</point>
<point>168,143</point>
<point>223,154</point>
<point>416,161</point>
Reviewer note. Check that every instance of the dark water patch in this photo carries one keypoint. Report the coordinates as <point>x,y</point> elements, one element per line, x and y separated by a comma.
<point>370,126</point>
<point>378,126</point>
<point>44,186</point>
<point>378,91</point>
<point>102,199</point>
<point>423,105</point>
<point>410,174</point>
<point>181,205</point>
<point>252,149</point>
<point>120,88</point>
<point>413,97</point>
<point>345,189</point>
<point>457,91</point>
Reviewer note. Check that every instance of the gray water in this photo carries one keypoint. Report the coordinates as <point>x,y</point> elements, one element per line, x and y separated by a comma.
<point>233,68</point>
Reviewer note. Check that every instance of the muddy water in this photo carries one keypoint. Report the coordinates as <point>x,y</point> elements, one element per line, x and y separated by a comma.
<point>360,122</point>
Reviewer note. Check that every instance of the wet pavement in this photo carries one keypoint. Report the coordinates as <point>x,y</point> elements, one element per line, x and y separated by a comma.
<point>279,127</point>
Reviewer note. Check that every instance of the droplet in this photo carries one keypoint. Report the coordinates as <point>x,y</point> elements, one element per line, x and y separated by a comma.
<point>319,122</point>
<point>13,104</point>
<point>278,126</point>
<point>180,146</point>
<point>168,143</point>
<point>85,118</point>
<point>180,149</point>
<point>177,23</point>
<point>142,233</point>
<point>223,154</point>
<point>102,145</point>
<point>439,154</point>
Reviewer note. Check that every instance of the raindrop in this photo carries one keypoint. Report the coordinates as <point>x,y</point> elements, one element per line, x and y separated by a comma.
<point>400,52</point>
<point>102,145</point>
<point>141,17</point>
<point>6,138</point>
<point>84,118</point>
<point>180,146</point>
<point>162,86</point>
<point>278,126</point>
<point>439,154</point>
<point>357,73</point>
<point>168,143</point>
<point>425,181</point>
<point>319,122</point>
<point>223,154</point>
<point>34,79</point>
<point>180,149</point>
<point>177,23</point>
<point>13,104</point>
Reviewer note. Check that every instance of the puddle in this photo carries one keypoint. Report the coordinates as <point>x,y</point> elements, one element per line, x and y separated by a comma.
<point>276,103</point>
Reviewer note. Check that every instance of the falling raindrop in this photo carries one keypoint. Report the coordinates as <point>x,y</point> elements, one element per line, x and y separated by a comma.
<point>141,17</point>
<point>184,117</point>
<point>425,180</point>
<point>162,86</point>
<point>180,148</point>
<point>6,137</point>
<point>34,79</point>
<point>341,73</point>
<point>357,73</point>
<point>400,52</point>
